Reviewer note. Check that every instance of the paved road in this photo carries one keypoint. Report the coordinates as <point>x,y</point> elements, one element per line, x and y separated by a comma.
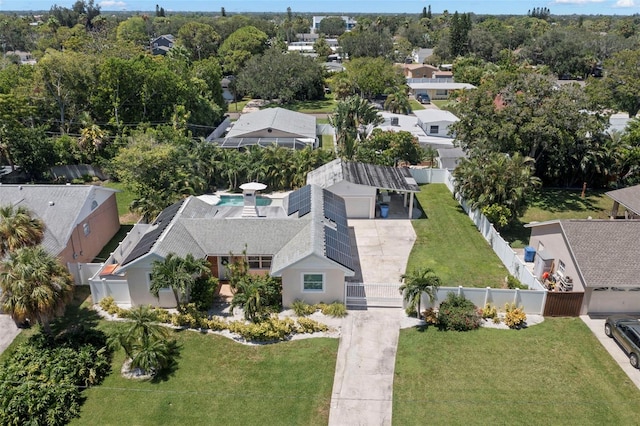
<point>363,382</point>
<point>8,331</point>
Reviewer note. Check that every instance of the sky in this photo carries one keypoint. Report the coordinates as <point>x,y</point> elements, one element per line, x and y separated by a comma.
<point>495,7</point>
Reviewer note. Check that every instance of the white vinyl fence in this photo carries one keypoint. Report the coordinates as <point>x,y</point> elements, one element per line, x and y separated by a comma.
<point>532,300</point>
<point>82,272</point>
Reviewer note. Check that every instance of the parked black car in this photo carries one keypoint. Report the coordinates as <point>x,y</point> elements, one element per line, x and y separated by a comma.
<point>626,331</point>
<point>423,98</point>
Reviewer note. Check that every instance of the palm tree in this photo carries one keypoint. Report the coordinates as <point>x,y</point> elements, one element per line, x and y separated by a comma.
<point>18,228</point>
<point>398,102</point>
<point>35,286</point>
<point>420,281</point>
<point>249,298</point>
<point>178,274</point>
<point>351,120</point>
<point>144,341</point>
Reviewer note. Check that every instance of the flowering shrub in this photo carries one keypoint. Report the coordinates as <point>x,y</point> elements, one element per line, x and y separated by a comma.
<point>336,309</point>
<point>515,316</point>
<point>108,304</point>
<point>458,313</point>
<point>302,309</point>
<point>489,311</point>
<point>307,325</point>
<point>430,316</point>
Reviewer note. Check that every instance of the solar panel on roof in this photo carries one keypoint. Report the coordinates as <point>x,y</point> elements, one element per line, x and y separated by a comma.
<point>300,201</point>
<point>147,241</point>
<point>337,241</point>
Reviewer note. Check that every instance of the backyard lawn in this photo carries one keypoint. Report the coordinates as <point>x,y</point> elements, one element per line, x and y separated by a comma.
<point>124,198</point>
<point>552,373</point>
<point>549,204</point>
<point>448,241</point>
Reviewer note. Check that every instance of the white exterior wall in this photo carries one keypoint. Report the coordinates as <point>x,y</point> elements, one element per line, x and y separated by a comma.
<point>292,280</point>
<point>443,128</point>
<point>358,199</point>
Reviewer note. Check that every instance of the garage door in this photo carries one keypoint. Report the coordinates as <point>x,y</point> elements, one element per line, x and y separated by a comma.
<point>358,207</point>
<point>607,300</point>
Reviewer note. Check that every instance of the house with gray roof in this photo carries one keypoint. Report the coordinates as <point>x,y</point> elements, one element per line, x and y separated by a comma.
<point>436,88</point>
<point>629,198</point>
<point>364,186</point>
<point>597,258</point>
<point>302,238</point>
<point>79,219</point>
<point>271,126</point>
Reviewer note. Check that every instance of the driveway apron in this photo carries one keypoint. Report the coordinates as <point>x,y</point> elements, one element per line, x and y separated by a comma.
<point>363,382</point>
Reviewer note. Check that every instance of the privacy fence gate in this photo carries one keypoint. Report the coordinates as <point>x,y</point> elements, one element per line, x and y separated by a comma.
<point>362,296</point>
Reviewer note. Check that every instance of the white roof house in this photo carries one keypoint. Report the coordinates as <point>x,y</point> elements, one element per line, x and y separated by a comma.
<point>303,234</point>
<point>272,126</point>
<point>436,122</point>
<point>436,88</point>
<point>412,124</point>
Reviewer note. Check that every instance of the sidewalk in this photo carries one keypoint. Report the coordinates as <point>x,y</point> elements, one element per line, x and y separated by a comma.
<point>363,382</point>
<point>8,331</point>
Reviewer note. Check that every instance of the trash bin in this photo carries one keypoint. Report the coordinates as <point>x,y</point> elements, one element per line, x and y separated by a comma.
<point>384,210</point>
<point>529,254</point>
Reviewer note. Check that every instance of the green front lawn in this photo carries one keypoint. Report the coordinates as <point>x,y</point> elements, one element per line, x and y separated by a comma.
<point>320,106</point>
<point>552,373</point>
<point>449,242</point>
<point>415,105</point>
<point>219,381</point>
<point>550,204</point>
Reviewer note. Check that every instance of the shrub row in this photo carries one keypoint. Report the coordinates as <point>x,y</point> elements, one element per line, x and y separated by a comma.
<point>335,309</point>
<point>460,314</point>
<point>270,329</point>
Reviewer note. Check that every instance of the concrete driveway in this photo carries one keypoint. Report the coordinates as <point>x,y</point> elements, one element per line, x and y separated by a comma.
<point>383,248</point>
<point>597,327</point>
<point>8,331</point>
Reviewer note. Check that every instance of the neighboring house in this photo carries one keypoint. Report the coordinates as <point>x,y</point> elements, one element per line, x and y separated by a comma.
<point>449,158</point>
<point>25,58</point>
<point>361,184</point>
<point>349,23</point>
<point>436,122</point>
<point>410,123</point>
<point>629,198</point>
<point>272,126</point>
<point>600,257</point>
<point>418,70</point>
<point>79,219</point>
<point>161,45</point>
<point>436,88</point>
<point>420,56</point>
<point>302,238</point>
<point>618,122</point>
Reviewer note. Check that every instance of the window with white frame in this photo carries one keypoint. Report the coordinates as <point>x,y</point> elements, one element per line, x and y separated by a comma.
<point>259,262</point>
<point>434,129</point>
<point>313,282</point>
<point>86,228</point>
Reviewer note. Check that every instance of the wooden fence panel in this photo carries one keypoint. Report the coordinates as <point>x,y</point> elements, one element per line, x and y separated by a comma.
<point>563,304</point>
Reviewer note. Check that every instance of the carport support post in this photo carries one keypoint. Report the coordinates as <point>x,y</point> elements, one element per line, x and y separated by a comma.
<point>411,205</point>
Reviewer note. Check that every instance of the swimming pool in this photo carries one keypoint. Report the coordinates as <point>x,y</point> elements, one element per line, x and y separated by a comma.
<point>237,200</point>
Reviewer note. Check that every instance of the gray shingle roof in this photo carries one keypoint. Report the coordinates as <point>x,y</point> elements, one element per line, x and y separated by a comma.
<point>628,197</point>
<point>58,206</point>
<point>383,177</point>
<point>202,229</point>
<point>605,251</point>
<point>284,120</point>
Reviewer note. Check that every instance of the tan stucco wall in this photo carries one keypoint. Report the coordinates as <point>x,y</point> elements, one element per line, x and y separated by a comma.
<point>292,286</point>
<point>555,245</point>
<point>103,223</point>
